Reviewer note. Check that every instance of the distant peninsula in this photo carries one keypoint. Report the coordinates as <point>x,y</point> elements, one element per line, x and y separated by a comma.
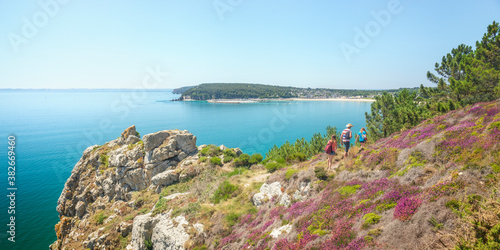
<point>248,92</point>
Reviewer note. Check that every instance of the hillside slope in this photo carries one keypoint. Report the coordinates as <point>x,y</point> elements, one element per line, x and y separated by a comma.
<point>433,186</point>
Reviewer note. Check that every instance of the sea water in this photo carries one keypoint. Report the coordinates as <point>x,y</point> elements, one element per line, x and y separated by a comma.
<point>53,127</point>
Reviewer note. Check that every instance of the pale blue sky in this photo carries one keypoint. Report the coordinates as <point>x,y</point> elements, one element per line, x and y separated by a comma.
<point>111,44</point>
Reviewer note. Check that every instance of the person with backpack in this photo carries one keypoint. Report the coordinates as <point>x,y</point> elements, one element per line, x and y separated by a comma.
<point>346,138</point>
<point>330,149</point>
<point>362,137</point>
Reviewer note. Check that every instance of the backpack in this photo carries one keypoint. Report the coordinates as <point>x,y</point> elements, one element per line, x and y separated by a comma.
<point>346,136</point>
<point>328,148</point>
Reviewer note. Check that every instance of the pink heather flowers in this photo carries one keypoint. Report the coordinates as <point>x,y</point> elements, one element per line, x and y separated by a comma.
<point>406,207</point>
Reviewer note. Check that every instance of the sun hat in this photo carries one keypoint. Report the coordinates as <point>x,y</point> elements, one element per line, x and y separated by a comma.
<point>349,125</point>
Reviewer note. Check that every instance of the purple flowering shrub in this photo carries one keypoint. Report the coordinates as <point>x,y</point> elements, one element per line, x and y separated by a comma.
<point>406,207</point>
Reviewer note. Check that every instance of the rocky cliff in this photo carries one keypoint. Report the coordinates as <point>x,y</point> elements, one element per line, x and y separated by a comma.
<point>430,187</point>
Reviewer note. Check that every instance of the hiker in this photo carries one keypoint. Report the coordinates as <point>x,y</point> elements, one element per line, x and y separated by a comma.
<point>330,149</point>
<point>346,138</point>
<point>362,137</point>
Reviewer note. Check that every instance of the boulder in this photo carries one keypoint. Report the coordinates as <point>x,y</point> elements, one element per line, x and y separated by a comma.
<point>128,132</point>
<point>168,236</point>
<point>80,209</point>
<point>166,178</point>
<point>267,192</point>
<point>155,139</point>
<point>278,231</point>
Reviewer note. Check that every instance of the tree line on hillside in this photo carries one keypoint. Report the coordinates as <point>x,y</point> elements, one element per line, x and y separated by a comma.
<point>207,91</point>
<point>464,77</point>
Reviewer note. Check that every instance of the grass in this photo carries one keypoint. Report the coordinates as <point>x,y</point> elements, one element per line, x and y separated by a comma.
<point>290,172</point>
<point>225,191</point>
<point>100,217</point>
<point>104,158</point>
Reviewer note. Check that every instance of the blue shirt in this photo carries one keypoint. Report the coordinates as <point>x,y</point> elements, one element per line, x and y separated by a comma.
<point>361,139</point>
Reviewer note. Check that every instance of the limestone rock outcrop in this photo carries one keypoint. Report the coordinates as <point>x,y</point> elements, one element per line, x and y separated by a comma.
<point>105,178</point>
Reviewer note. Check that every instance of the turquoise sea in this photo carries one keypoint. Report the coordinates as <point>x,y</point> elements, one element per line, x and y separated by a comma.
<point>53,127</point>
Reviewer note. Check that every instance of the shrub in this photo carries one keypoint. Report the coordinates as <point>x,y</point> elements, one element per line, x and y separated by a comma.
<point>210,150</point>
<point>242,160</point>
<point>375,232</point>
<point>225,191</point>
<point>348,190</point>
<point>104,160</point>
<point>406,207</point>
<point>100,217</point>
<point>255,159</point>
<point>385,206</point>
<point>228,159</point>
<point>216,161</point>
<point>273,166</point>
<point>297,156</point>
<point>229,152</point>
<point>320,173</point>
<point>203,159</point>
<point>370,219</point>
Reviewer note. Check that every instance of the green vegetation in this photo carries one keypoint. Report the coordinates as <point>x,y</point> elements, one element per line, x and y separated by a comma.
<point>290,172</point>
<point>225,191</point>
<point>348,190</point>
<point>255,159</point>
<point>210,150</point>
<point>321,173</point>
<point>466,76</point>
<point>104,158</point>
<point>232,218</point>
<point>216,161</point>
<point>149,244</point>
<point>273,166</point>
<point>385,206</point>
<point>370,219</point>
<point>242,161</point>
<point>301,149</point>
<point>100,217</point>
<point>437,226</point>
<point>203,159</point>
<point>207,91</point>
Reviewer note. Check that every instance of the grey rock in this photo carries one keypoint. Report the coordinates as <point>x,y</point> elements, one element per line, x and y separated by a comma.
<point>117,160</point>
<point>285,200</point>
<point>80,209</point>
<point>142,229</point>
<point>155,139</point>
<point>167,236</point>
<point>238,151</point>
<point>267,192</point>
<point>165,179</point>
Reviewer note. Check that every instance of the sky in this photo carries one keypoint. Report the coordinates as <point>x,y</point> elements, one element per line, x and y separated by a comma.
<point>164,44</point>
